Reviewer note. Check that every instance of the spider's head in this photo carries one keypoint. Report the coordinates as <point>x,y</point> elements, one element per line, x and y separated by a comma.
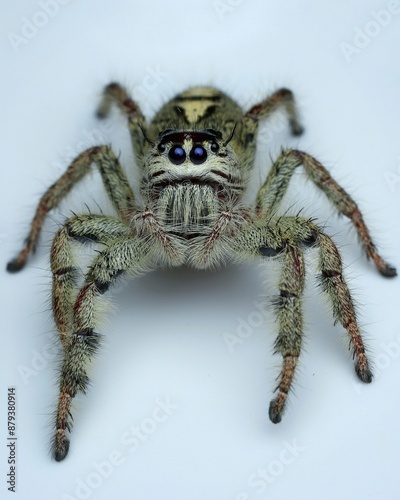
<point>194,145</point>
<point>201,157</point>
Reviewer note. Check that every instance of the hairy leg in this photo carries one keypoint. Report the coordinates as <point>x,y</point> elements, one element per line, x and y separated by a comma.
<point>114,93</point>
<point>334,284</point>
<point>275,186</point>
<point>115,182</point>
<point>290,321</point>
<point>122,254</point>
<point>87,228</point>
<point>282,98</point>
<point>283,237</point>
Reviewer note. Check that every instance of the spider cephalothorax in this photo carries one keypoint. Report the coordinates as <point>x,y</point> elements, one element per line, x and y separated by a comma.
<point>196,157</point>
<point>189,176</point>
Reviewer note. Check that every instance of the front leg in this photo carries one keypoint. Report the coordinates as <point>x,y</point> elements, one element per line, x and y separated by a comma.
<point>262,238</point>
<point>84,228</point>
<point>288,306</point>
<point>284,238</point>
<point>123,254</point>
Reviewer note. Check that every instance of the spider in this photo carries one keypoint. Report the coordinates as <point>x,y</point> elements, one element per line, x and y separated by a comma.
<point>196,157</point>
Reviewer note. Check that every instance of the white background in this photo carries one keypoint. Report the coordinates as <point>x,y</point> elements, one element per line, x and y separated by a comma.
<point>339,438</point>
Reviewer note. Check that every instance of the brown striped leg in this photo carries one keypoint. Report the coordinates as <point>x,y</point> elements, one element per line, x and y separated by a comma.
<point>73,379</point>
<point>345,206</point>
<point>282,98</point>
<point>87,228</point>
<point>82,228</point>
<point>121,254</point>
<point>115,182</point>
<point>275,186</point>
<point>114,93</point>
<point>290,320</point>
<point>342,304</point>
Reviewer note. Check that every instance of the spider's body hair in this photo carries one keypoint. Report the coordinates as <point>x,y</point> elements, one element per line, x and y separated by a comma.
<point>195,159</point>
<point>195,203</point>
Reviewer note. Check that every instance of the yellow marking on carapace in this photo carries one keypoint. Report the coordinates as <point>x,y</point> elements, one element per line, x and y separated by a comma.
<point>195,110</point>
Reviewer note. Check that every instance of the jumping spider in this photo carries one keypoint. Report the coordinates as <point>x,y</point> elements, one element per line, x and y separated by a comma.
<point>196,157</point>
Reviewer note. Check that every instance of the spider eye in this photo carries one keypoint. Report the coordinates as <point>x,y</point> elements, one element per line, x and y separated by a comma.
<point>161,147</point>
<point>177,155</point>
<point>214,147</point>
<point>198,155</point>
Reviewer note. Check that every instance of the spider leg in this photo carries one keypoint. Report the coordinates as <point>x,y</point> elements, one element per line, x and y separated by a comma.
<point>280,238</point>
<point>275,186</point>
<point>122,254</point>
<point>115,182</point>
<point>283,238</point>
<point>290,320</point>
<point>114,93</point>
<point>333,282</point>
<point>87,228</point>
<point>281,98</point>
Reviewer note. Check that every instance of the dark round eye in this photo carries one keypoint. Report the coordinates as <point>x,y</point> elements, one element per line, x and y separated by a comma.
<point>214,147</point>
<point>177,155</point>
<point>161,147</point>
<point>198,155</point>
